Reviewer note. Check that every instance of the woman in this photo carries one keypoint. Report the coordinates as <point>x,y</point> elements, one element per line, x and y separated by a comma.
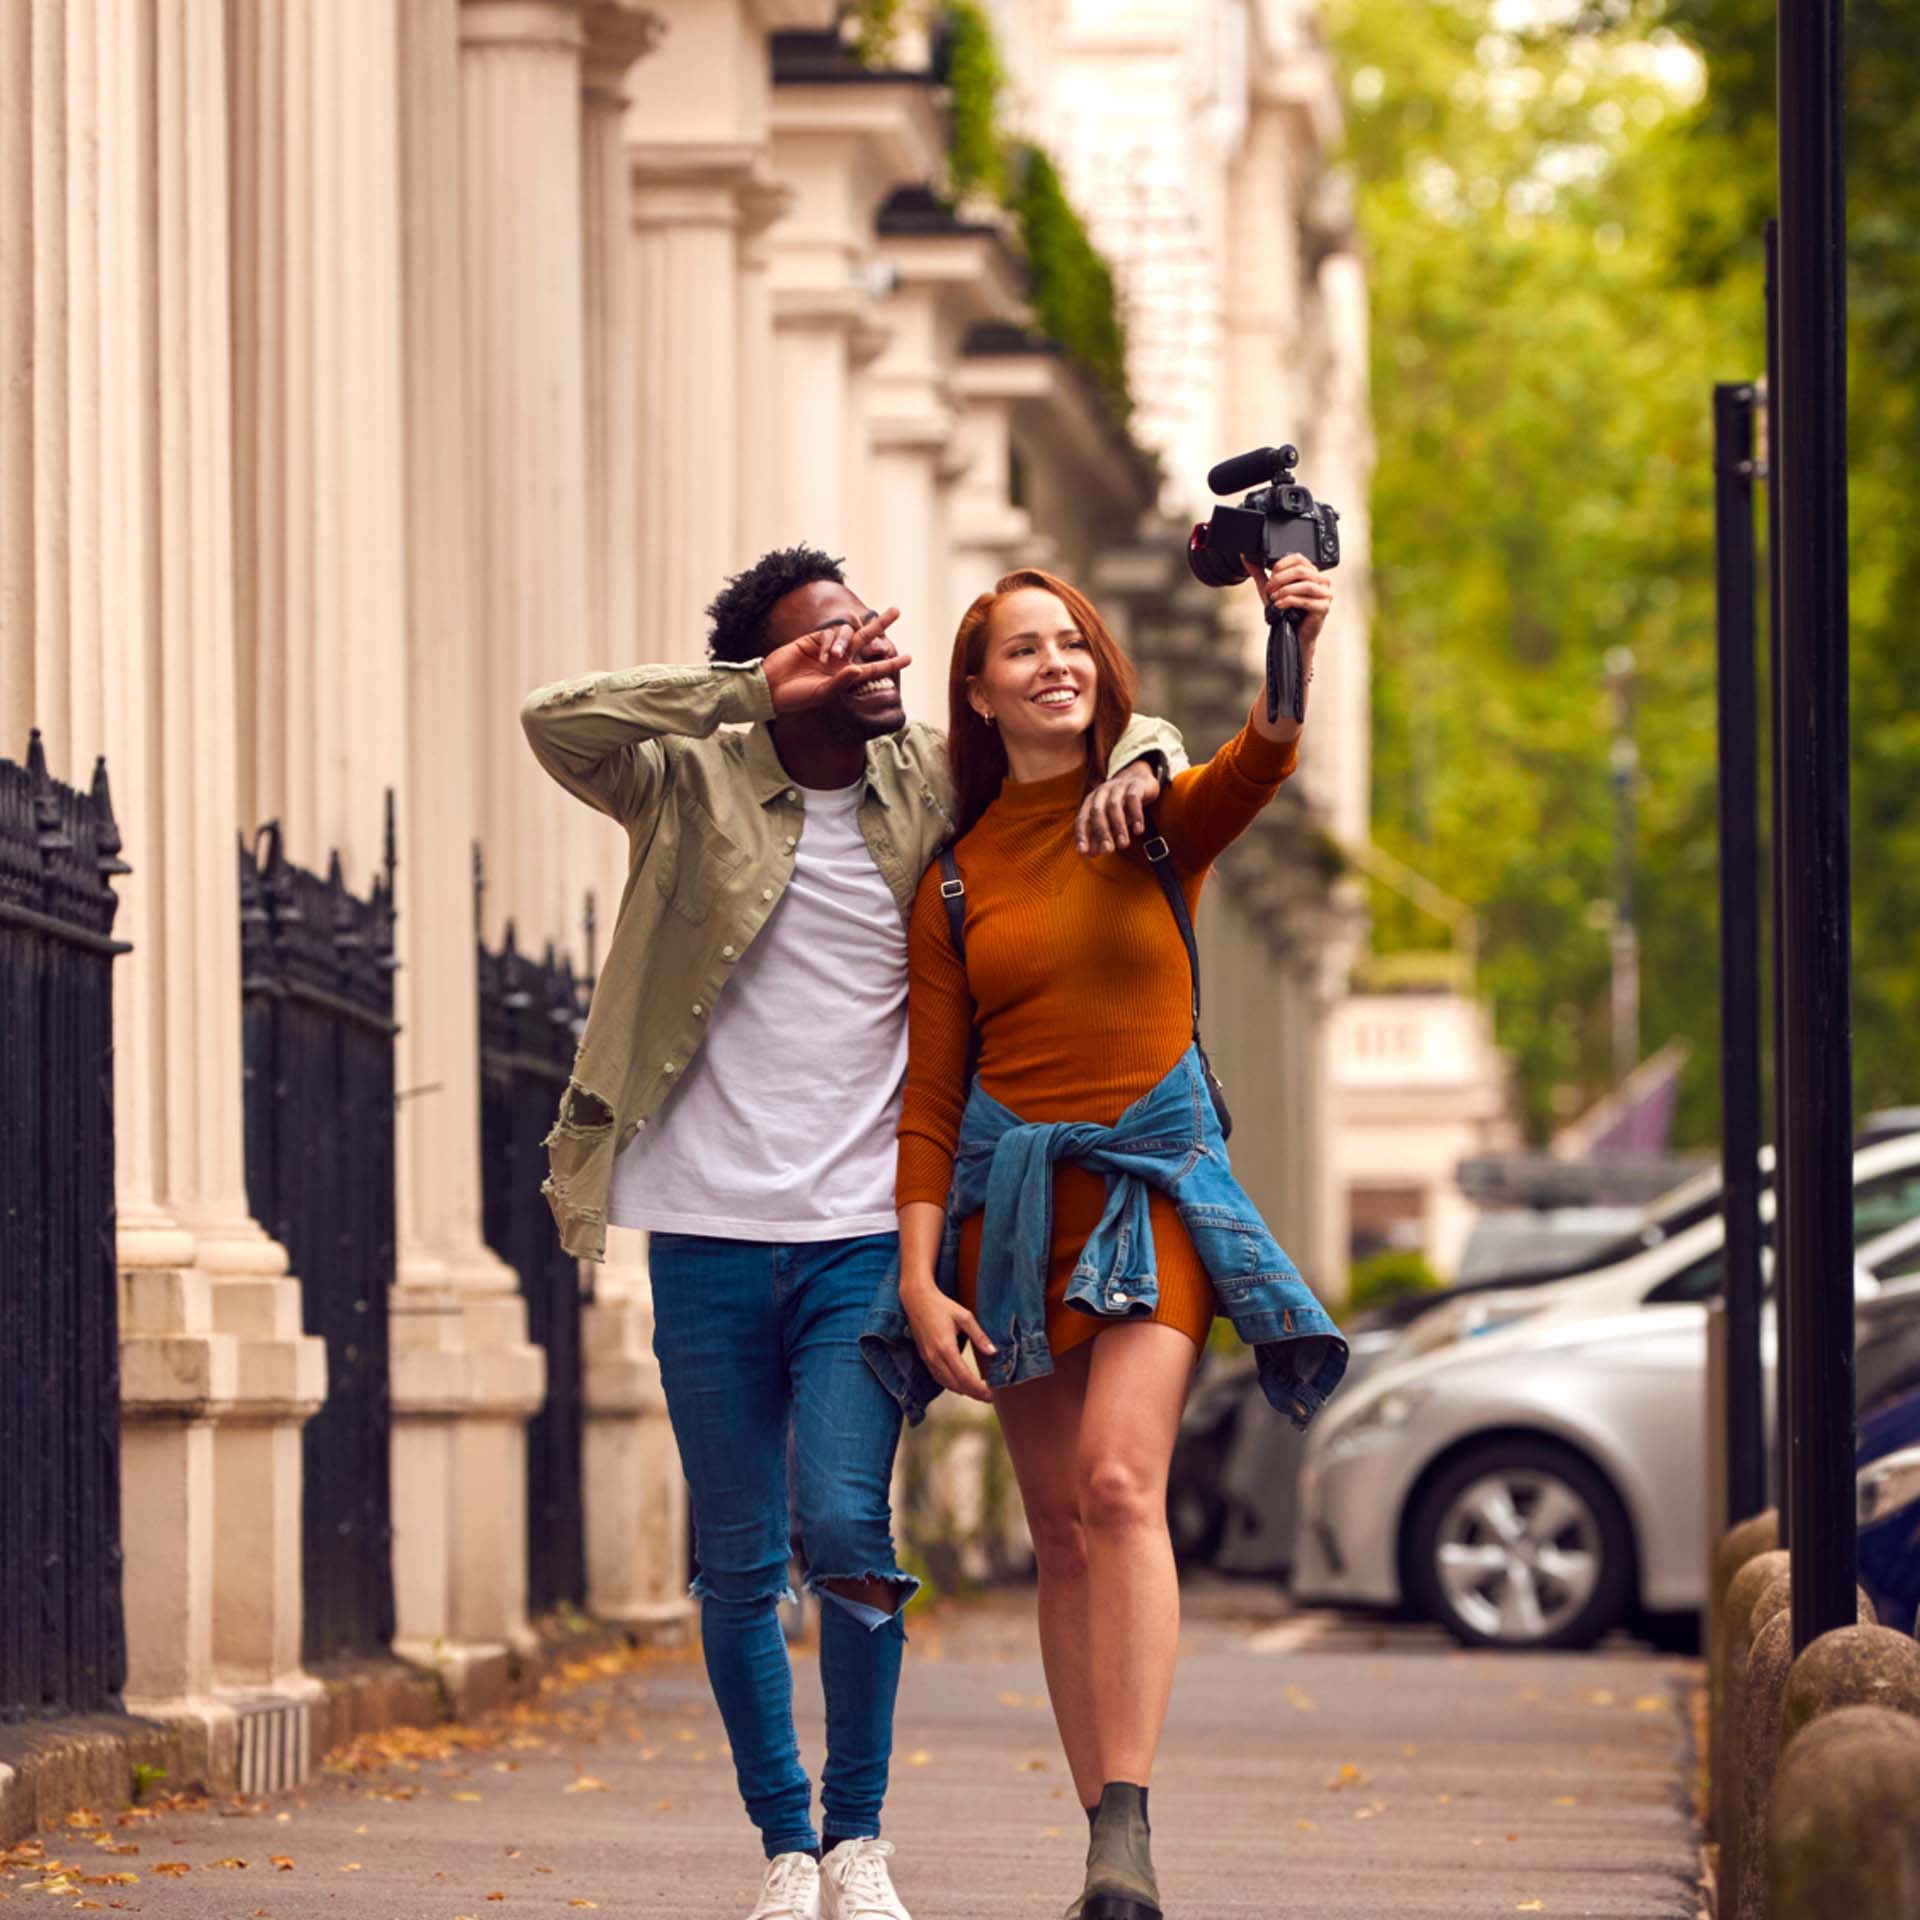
<point>1126,1219</point>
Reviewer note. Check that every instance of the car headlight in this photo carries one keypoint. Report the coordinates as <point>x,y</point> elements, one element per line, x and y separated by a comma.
<point>1887,1486</point>
<point>1378,1418</point>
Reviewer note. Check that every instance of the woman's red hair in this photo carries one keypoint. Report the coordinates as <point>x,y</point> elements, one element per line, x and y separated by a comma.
<point>978,756</point>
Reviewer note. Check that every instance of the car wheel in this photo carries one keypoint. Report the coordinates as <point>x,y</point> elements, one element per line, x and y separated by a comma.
<point>1520,1543</point>
<point>1196,1508</point>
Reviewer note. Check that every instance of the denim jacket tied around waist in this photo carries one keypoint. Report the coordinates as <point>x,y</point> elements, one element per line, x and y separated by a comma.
<point>1169,1139</point>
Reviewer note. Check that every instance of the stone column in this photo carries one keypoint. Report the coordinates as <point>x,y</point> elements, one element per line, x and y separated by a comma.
<point>131,605</point>
<point>78,612</point>
<point>18,704</point>
<point>844,148</point>
<point>763,200</point>
<point>257,1550</point>
<point>947,278</point>
<point>443,1255</point>
<point>686,211</point>
<point>320,557</point>
<point>526,413</point>
<point>634,1497</point>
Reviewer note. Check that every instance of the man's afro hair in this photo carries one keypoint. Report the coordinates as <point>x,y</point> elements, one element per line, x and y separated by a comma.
<point>739,611</point>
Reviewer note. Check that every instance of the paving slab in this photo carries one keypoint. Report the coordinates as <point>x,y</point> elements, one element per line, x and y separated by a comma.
<point>1312,1767</point>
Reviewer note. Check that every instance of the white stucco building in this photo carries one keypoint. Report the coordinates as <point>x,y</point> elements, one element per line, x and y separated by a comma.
<point>368,363</point>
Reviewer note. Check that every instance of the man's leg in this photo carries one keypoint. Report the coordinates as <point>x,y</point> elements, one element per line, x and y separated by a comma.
<point>846,1428</point>
<point>717,1332</point>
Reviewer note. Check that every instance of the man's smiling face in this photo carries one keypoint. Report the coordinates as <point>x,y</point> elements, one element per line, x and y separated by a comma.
<point>866,711</point>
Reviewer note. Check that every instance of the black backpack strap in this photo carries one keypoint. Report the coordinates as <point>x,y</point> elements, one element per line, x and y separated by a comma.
<point>1160,859</point>
<point>953,896</point>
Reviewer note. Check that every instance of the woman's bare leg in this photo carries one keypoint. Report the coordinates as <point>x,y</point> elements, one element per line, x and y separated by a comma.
<point>1041,1421</point>
<point>1136,1386</point>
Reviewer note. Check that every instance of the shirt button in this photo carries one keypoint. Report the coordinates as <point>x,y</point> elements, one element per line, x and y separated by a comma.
<point>792,794</point>
<point>766,893</point>
<point>726,953</point>
<point>642,1125</point>
<point>666,1066</point>
<point>791,843</point>
<point>698,1009</point>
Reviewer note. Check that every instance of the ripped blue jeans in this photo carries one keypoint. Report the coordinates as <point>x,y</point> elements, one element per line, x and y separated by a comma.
<point>758,1343</point>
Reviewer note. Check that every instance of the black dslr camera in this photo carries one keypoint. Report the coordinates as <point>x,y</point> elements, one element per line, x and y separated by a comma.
<point>1278,517</point>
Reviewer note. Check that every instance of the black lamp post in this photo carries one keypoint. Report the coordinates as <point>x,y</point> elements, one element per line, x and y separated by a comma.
<point>1817,1152</point>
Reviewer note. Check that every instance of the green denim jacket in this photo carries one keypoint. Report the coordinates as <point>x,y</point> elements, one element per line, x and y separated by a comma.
<point>712,822</point>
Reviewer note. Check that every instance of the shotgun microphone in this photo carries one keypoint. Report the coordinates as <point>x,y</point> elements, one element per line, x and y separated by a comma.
<point>1256,469</point>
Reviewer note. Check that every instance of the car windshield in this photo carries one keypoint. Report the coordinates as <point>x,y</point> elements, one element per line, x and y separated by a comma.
<point>1883,1204</point>
<point>1879,1205</point>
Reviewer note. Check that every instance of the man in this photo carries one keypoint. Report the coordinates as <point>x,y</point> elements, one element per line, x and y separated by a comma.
<point>736,1094</point>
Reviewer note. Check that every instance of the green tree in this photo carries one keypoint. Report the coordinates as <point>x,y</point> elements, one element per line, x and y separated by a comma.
<point>1735,140</point>
<point>1543,496</point>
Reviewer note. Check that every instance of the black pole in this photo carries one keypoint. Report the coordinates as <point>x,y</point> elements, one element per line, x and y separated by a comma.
<point>1818,1170</point>
<point>1777,886</point>
<point>1739,946</point>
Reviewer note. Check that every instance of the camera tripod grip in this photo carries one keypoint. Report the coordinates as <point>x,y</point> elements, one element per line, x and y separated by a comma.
<point>1286,672</point>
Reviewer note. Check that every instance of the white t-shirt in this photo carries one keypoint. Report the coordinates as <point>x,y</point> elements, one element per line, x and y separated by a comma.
<point>783,1126</point>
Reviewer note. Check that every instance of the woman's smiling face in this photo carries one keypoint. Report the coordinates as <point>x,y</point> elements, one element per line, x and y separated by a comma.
<point>1039,677</point>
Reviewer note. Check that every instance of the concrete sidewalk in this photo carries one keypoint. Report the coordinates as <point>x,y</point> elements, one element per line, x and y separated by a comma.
<point>1311,1768</point>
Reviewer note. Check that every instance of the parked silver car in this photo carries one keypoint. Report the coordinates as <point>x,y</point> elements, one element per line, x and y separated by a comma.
<point>1527,1468</point>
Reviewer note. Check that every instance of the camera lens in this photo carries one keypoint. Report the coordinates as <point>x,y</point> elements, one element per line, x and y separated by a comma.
<point>1212,567</point>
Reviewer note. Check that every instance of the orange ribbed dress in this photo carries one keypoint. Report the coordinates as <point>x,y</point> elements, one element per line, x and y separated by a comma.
<point>1081,981</point>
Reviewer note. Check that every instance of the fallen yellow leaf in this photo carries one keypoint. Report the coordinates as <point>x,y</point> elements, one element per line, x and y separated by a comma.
<point>1307,1826</point>
<point>583,1903</point>
<point>1348,1776</point>
<point>1013,1699</point>
<point>918,1757</point>
<point>228,1862</point>
<point>1299,1699</point>
<point>1443,1799</point>
<point>463,1796</point>
<point>1651,1703</point>
<point>584,1783</point>
<point>352,1866</point>
<point>174,1867</point>
<point>1531,1906</point>
<point>496,1896</point>
<point>1566,1800</point>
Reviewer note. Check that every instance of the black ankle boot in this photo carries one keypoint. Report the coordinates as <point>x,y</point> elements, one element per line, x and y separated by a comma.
<point>1120,1882</point>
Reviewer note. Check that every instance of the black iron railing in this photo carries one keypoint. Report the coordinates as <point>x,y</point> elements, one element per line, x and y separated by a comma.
<point>531,1012</point>
<point>62,1637</point>
<point>317,994</point>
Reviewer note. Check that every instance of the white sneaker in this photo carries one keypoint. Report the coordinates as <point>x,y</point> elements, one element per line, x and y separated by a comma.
<point>857,1884</point>
<point>791,1890</point>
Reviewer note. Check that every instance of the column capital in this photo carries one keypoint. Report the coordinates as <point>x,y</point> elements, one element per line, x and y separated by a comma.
<point>763,200</point>
<point>553,26</point>
<point>793,16</point>
<point>695,183</point>
<point>618,33</point>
